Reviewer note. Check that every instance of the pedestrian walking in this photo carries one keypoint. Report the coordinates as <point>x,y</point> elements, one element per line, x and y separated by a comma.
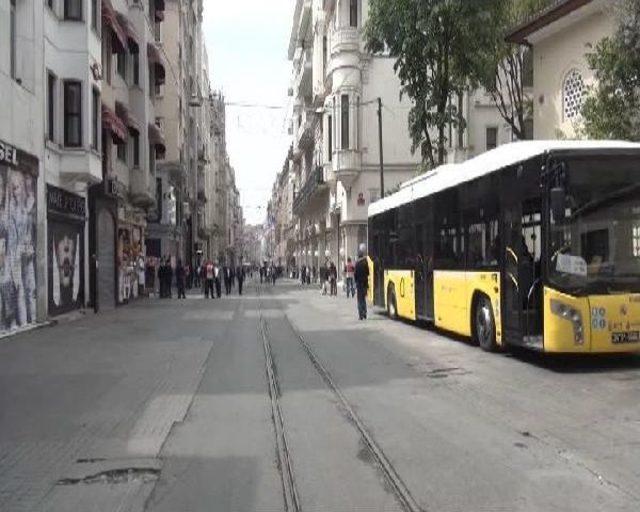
<point>349,270</point>
<point>181,274</point>
<point>361,276</point>
<point>333,279</point>
<point>168,278</point>
<point>324,278</point>
<point>209,279</point>
<point>240,277</point>
<point>217,271</point>
<point>227,279</point>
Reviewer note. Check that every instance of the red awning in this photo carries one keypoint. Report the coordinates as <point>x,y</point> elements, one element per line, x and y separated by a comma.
<point>159,12</point>
<point>110,19</point>
<point>160,74</point>
<point>123,112</point>
<point>112,122</point>
<point>153,53</point>
<point>155,136</point>
<point>132,37</point>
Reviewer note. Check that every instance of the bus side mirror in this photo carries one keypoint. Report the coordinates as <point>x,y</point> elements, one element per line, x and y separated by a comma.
<point>558,203</point>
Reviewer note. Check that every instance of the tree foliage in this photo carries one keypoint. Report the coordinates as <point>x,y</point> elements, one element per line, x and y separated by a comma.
<point>612,109</point>
<point>440,51</point>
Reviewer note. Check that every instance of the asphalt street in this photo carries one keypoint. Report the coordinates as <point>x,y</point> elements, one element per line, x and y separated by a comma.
<point>282,400</point>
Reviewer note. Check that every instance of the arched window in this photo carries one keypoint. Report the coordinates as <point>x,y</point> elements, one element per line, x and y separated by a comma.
<point>573,93</point>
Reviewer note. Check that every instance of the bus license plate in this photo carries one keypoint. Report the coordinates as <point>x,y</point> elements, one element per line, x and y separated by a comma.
<point>625,337</point>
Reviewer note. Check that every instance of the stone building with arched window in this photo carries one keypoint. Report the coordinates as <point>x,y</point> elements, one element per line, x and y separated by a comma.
<point>560,37</point>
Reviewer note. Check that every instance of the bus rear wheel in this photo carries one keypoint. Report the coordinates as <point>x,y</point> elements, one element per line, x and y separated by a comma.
<point>484,325</point>
<point>392,305</point>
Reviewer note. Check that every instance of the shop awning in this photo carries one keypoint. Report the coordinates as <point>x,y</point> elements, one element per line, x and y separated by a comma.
<point>160,74</point>
<point>112,123</point>
<point>126,116</point>
<point>159,14</point>
<point>110,19</point>
<point>155,58</point>
<point>156,138</point>
<point>153,54</point>
<point>132,37</point>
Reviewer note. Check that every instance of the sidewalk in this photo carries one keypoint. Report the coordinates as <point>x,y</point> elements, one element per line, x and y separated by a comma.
<point>95,399</point>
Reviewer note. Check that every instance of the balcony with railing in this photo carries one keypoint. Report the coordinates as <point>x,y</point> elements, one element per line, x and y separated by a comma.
<point>344,39</point>
<point>346,164</point>
<point>313,188</point>
<point>304,133</point>
<point>302,73</point>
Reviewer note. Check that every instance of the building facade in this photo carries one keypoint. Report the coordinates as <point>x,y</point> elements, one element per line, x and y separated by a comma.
<point>106,150</point>
<point>560,37</point>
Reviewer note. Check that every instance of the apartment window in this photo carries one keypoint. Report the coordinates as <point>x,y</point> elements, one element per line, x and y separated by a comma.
<point>73,10</point>
<point>135,142</point>
<point>573,94</point>
<point>13,38</point>
<point>136,68</point>
<point>95,118</point>
<point>121,64</point>
<point>94,14</point>
<point>492,137</point>
<point>330,138</point>
<point>51,106</point>
<point>527,67</point>
<point>73,114</point>
<point>344,105</point>
<point>121,151</point>
<point>353,13</point>
<point>528,129</point>
<point>106,58</point>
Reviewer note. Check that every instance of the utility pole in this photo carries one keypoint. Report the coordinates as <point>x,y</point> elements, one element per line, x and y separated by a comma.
<point>380,142</point>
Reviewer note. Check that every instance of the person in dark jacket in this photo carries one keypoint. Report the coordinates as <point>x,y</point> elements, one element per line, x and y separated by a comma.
<point>218,278</point>
<point>361,278</point>
<point>240,278</point>
<point>168,278</point>
<point>181,275</point>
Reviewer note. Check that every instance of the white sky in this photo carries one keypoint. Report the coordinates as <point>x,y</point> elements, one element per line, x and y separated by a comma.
<point>247,41</point>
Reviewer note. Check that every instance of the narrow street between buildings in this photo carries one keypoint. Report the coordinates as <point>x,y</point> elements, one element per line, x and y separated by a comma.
<point>282,400</point>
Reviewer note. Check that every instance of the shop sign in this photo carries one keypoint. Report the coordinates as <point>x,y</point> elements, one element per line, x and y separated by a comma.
<point>8,154</point>
<point>66,203</point>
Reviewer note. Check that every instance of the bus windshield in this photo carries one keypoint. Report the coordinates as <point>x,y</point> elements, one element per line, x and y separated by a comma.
<point>595,246</point>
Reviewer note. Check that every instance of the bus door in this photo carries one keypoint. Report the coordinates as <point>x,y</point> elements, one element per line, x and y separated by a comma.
<point>521,256</point>
<point>512,298</point>
<point>424,272</point>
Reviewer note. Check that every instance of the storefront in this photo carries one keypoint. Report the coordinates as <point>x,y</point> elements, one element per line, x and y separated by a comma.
<point>66,217</point>
<point>18,230</point>
<point>131,261</point>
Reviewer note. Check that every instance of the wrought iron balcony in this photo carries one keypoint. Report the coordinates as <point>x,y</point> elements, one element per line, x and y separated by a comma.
<point>314,184</point>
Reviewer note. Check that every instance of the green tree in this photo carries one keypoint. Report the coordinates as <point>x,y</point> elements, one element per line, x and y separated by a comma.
<point>612,108</point>
<point>440,51</point>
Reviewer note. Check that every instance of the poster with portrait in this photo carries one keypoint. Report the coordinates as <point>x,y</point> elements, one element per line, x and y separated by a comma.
<point>17,243</point>
<point>66,268</point>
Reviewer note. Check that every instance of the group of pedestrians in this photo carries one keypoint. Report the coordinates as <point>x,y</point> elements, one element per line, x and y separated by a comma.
<point>356,279</point>
<point>269,273</point>
<point>214,276</point>
<point>209,276</point>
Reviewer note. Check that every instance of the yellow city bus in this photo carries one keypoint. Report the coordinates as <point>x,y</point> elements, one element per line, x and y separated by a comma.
<point>533,244</point>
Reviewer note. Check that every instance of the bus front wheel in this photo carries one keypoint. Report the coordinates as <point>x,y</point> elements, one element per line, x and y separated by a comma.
<point>484,325</point>
<point>392,305</point>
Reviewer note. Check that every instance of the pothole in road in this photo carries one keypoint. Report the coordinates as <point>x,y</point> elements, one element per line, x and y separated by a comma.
<point>115,476</point>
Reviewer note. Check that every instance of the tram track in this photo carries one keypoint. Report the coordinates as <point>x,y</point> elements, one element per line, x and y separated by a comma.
<point>394,481</point>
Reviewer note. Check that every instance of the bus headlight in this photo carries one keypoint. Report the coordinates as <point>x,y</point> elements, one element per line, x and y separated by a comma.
<point>571,314</point>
